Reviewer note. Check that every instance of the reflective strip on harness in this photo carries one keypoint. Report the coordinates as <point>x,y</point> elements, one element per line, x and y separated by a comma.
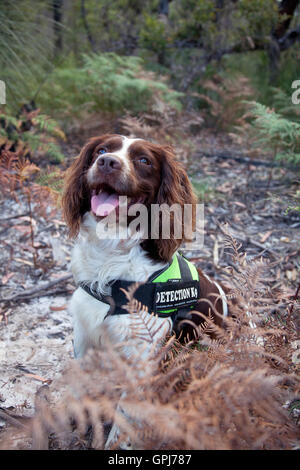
<point>177,294</point>
<point>185,293</point>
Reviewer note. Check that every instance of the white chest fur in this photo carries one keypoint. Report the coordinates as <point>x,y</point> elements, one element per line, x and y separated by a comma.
<point>101,261</point>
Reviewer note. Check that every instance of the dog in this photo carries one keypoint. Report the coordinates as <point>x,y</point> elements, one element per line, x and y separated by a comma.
<point>111,167</point>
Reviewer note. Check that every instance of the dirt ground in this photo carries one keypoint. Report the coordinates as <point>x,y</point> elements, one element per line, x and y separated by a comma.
<point>36,333</point>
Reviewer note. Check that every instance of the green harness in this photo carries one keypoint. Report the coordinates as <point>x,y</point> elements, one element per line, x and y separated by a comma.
<point>171,291</point>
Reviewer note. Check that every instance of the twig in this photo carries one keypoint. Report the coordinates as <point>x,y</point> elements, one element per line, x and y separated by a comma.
<point>259,245</point>
<point>15,422</point>
<point>31,292</point>
<point>247,240</point>
<point>34,252</point>
<point>247,160</point>
<point>50,293</point>
<point>4,230</point>
<point>294,300</point>
<point>14,217</point>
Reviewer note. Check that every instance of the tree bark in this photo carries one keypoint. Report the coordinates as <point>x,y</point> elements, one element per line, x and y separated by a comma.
<point>163,7</point>
<point>57,6</point>
<point>86,25</point>
<point>286,7</point>
<point>286,11</point>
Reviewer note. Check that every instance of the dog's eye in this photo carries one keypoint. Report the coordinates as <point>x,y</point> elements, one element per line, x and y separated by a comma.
<point>145,161</point>
<point>102,150</point>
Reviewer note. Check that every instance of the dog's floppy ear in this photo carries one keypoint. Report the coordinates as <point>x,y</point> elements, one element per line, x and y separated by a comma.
<point>176,189</point>
<point>76,196</point>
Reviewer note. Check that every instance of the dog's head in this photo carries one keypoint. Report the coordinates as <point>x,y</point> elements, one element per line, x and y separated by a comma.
<point>112,165</point>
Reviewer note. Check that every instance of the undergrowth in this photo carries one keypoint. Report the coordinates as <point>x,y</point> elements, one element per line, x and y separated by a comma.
<point>276,134</point>
<point>41,189</point>
<point>236,391</point>
<point>104,83</point>
<point>164,124</point>
<point>224,99</point>
<point>31,134</point>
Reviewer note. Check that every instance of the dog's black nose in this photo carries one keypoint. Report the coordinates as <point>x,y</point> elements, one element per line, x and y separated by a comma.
<point>108,164</point>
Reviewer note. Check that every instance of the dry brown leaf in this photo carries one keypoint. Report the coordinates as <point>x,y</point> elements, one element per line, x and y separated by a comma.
<point>265,236</point>
<point>240,204</point>
<point>39,378</point>
<point>216,253</point>
<point>226,187</point>
<point>58,309</point>
<point>23,228</point>
<point>24,261</point>
<point>225,165</point>
<point>291,274</point>
<point>59,222</point>
<point>7,277</point>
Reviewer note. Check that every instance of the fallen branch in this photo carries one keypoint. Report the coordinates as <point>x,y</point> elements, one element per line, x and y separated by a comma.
<point>31,293</point>
<point>25,214</point>
<point>51,293</point>
<point>13,420</point>
<point>294,300</point>
<point>259,245</point>
<point>246,160</point>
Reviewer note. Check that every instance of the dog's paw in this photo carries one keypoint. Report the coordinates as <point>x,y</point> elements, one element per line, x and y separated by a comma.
<point>113,441</point>
<point>113,437</point>
<point>126,445</point>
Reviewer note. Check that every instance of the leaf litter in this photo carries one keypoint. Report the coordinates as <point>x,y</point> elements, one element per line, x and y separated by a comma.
<point>36,333</point>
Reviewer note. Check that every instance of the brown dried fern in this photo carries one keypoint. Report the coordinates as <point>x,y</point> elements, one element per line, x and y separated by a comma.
<point>227,393</point>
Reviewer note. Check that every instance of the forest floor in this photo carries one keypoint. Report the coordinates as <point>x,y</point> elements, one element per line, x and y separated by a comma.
<point>35,326</point>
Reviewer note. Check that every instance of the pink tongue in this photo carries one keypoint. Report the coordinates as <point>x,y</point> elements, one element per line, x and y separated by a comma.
<point>104,203</point>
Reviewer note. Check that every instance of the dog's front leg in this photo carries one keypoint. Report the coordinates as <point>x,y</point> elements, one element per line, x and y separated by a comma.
<point>88,315</point>
<point>138,351</point>
<point>115,432</point>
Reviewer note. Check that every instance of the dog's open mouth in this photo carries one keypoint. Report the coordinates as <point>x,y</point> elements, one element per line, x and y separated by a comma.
<point>103,203</point>
<point>106,201</point>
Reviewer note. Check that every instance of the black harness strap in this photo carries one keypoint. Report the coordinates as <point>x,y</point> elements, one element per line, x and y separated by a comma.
<point>175,297</point>
<point>144,294</point>
<point>184,269</point>
<point>95,294</point>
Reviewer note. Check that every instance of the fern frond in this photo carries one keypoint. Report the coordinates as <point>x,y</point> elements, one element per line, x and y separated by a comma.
<point>48,125</point>
<point>144,325</point>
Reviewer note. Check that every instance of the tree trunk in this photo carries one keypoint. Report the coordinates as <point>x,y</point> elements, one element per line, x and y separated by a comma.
<point>57,6</point>
<point>86,25</point>
<point>286,7</point>
<point>163,7</point>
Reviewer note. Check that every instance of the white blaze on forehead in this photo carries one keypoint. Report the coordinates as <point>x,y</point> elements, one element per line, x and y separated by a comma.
<point>122,153</point>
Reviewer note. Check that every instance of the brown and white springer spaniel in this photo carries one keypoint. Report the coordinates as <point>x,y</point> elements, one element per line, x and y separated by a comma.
<point>110,166</point>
